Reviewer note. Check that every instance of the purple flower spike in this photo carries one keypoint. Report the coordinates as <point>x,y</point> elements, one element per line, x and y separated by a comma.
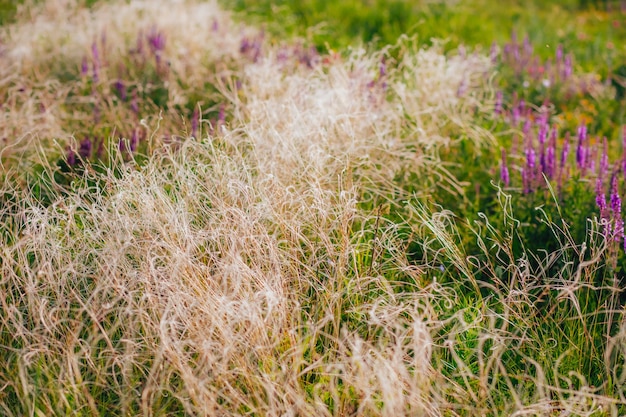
<point>600,197</point>
<point>528,172</point>
<point>581,149</point>
<point>85,148</point>
<point>95,54</point>
<point>71,157</point>
<point>551,154</point>
<point>84,67</point>
<point>624,150</point>
<point>616,201</point>
<point>526,128</point>
<point>134,140</point>
<point>568,67</point>
<point>96,61</point>
<point>156,40</point>
<point>121,89</point>
<point>504,170</point>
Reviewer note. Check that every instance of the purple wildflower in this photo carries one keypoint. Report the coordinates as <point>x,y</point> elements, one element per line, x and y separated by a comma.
<point>616,201</point>
<point>85,148</point>
<point>121,89</point>
<point>96,61</point>
<point>504,170</point>
<point>568,67</point>
<point>559,53</point>
<point>600,197</point>
<point>134,140</point>
<point>580,150</point>
<point>551,154</point>
<point>84,67</point>
<point>624,150</point>
<point>528,173</point>
<point>71,157</point>
<point>156,40</point>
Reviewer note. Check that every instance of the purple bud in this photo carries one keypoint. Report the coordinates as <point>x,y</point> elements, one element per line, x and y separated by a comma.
<point>382,68</point>
<point>504,170</point>
<point>215,25</point>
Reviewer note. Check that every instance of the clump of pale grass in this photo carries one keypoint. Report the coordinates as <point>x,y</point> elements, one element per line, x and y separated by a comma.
<point>246,271</point>
<point>41,81</point>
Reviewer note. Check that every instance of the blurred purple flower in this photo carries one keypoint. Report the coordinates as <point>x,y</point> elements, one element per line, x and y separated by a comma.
<point>581,149</point>
<point>121,89</point>
<point>134,140</point>
<point>616,201</point>
<point>85,148</point>
<point>156,40</point>
<point>71,157</point>
<point>600,197</point>
<point>84,67</point>
<point>504,170</point>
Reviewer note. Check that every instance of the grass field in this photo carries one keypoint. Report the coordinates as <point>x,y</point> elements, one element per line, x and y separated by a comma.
<point>299,208</point>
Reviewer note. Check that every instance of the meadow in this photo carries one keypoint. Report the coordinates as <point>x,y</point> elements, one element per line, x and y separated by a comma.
<point>295,208</point>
